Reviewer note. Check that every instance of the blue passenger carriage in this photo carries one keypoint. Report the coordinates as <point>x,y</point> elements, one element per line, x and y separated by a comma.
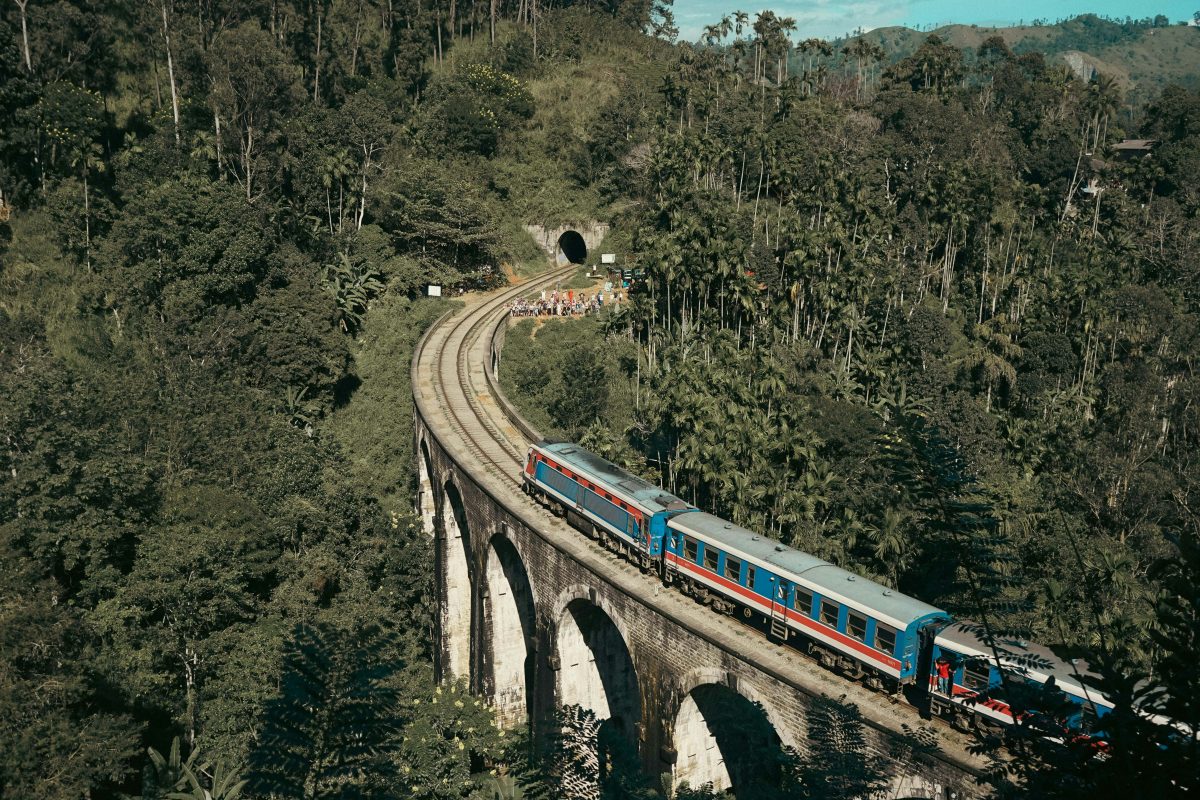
<point>851,624</point>
<point>1050,694</point>
<point>602,499</point>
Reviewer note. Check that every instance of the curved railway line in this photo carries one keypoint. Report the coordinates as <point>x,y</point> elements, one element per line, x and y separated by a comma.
<point>464,410</point>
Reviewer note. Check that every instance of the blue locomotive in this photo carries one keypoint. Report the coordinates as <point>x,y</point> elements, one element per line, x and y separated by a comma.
<point>610,504</point>
<point>849,623</point>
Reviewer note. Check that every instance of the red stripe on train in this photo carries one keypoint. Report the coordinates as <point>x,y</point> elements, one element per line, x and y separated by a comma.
<point>808,622</point>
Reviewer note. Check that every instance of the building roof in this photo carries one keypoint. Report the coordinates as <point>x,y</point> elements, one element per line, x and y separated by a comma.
<point>1135,144</point>
<point>807,570</point>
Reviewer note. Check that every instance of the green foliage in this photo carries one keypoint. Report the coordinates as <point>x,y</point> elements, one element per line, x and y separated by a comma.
<point>838,764</point>
<point>471,108</point>
<point>447,732</point>
<point>184,246</point>
<point>330,730</point>
<point>61,736</point>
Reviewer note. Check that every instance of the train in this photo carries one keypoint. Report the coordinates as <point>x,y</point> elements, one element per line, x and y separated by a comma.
<point>850,624</point>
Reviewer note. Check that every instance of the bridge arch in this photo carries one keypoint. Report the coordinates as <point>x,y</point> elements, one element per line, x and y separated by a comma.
<point>726,736</point>
<point>426,502</point>
<point>594,666</point>
<point>510,613</point>
<point>456,569</point>
<point>571,248</point>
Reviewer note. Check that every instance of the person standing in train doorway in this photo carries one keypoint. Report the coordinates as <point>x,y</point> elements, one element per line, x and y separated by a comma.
<point>943,676</point>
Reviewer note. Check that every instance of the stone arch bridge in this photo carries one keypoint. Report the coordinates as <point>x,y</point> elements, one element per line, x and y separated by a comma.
<point>536,616</point>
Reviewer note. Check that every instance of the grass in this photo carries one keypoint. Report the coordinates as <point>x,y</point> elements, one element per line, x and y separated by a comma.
<point>374,428</point>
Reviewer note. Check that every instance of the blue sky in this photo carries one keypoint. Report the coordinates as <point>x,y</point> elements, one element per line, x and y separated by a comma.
<point>835,17</point>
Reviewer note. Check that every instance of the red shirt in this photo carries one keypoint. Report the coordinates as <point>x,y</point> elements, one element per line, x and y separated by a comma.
<point>943,669</point>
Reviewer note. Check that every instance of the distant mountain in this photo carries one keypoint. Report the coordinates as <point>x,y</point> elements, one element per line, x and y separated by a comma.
<point>1142,55</point>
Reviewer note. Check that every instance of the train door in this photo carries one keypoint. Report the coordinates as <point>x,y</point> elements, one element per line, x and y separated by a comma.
<point>780,591</point>
<point>632,528</point>
<point>925,637</point>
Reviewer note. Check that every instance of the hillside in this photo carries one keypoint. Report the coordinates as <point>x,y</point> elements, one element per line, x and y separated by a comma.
<point>1143,58</point>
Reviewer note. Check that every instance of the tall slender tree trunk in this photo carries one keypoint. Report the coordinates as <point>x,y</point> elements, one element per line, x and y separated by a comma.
<point>171,69</point>
<point>157,85</point>
<point>317,61</point>
<point>217,139</point>
<point>438,29</point>
<point>357,39</point>
<point>494,4</point>
<point>87,218</point>
<point>21,4</point>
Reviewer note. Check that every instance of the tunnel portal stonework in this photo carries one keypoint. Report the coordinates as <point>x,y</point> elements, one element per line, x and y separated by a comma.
<point>550,239</point>
<point>551,622</point>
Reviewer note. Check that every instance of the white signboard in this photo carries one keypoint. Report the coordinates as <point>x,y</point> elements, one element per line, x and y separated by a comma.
<point>434,290</point>
<point>608,258</point>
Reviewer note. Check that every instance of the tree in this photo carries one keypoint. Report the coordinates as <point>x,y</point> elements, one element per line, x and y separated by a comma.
<point>584,392</point>
<point>61,737</point>
<point>22,5</point>
<point>333,727</point>
<point>252,91</point>
<point>839,764</point>
<point>166,7</point>
<point>181,246</point>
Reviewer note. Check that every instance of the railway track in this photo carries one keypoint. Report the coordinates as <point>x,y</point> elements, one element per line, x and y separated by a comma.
<point>446,351</point>
<point>484,434</point>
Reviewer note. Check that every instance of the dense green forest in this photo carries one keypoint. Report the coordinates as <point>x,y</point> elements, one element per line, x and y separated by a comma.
<point>917,318</point>
<point>922,320</point>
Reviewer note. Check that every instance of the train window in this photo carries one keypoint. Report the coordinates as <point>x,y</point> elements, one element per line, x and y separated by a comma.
<point>856,626</point>
<point>690,549</point>
<point>733,569</point>
<point>803,602</point>
<point>976,675</point>
<point>829,613</point>
<point>710,558</point>
<point>885,638</point>
<point>750,576</point>
<point>674,541</point>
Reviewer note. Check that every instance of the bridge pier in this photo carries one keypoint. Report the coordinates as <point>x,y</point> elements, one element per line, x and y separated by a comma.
<point>534,615</point>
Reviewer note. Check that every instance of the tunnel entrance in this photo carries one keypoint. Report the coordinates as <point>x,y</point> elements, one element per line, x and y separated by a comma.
<point>727,741</point>
<point>571,249</point>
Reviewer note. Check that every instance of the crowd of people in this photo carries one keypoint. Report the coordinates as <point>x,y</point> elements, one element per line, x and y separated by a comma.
<point>565,303</point>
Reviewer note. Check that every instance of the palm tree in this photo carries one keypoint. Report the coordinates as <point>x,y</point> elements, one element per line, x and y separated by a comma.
<point>892,544</point>
<point>1103,100</point>
<point>740,21</point>
<point>787,26</point>
<point>990,352</point>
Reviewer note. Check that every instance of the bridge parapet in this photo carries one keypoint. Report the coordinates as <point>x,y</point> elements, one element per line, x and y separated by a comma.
<point>552,618</point>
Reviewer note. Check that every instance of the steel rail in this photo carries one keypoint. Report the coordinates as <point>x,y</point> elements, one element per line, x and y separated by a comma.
<point>502,460</point>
